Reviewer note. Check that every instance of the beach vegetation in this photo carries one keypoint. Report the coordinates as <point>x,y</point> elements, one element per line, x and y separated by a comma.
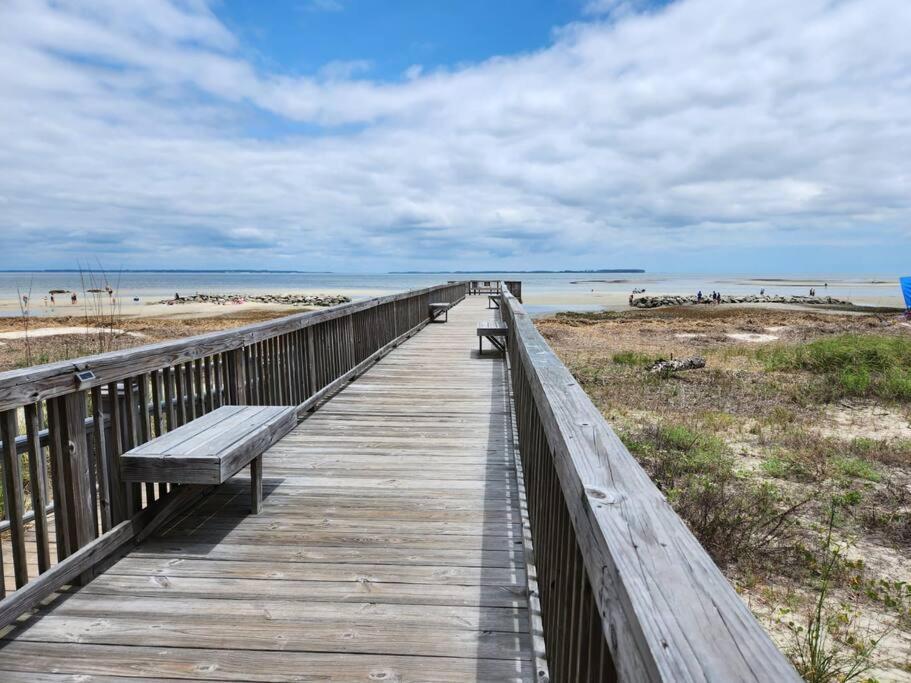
<point>633,358</point>
<point>871,365</point>
<point>804,440</point>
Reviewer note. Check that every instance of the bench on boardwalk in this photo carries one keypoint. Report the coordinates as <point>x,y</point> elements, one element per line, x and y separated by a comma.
<point>212,449</point>
<point>439,310</point>
<point>493,331</point>
<point>493,299</point>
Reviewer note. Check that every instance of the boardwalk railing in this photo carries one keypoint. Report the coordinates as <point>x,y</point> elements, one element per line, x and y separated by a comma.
<point>65,425</point>
<point>627,592</point>
<point>485,286</point>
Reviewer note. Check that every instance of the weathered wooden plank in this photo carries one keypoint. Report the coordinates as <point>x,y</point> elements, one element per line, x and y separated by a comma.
<point>256,485</point>
<point>301,613</point>
<point>326,570</point>
<point>102,460</point>
<point>239,435</point>
<point>77,564</point>
<point>251,665</point>
<point>430,595</point>
<point>205,546</point>
<point>13,497</point>
<point>28,385</point>
<point>364,572</point>
<point>81,526</point>
<point>37,467</point>
<point>316,637</point>
<point>655,585</point>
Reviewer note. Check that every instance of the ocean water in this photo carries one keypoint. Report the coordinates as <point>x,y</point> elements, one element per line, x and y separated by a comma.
<point>543,292</point>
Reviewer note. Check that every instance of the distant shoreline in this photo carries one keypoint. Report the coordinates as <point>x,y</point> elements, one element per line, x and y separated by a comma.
<point>164,270</point>
<point>516,272</point>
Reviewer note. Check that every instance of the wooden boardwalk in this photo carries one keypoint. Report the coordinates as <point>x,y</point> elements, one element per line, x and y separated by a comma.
<point>389,548</point>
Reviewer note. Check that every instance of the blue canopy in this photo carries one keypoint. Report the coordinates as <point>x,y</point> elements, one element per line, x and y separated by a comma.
<point>906,290</point>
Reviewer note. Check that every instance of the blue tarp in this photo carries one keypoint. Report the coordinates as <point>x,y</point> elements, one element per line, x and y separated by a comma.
<point>906,290</point>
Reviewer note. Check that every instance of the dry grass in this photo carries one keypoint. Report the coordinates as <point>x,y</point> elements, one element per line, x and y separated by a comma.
<point>750,455</point>
<point>63,347</point>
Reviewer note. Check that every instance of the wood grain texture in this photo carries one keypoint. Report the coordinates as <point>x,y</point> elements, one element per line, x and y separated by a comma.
<point>389,546</point>
<point>28,385</point>
<point>665,610</point>
<point>210,449</point>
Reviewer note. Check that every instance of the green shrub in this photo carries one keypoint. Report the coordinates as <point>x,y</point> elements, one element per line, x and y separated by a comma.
<point>852,364</point>
<point>737,519</point>
<point>856,468</point>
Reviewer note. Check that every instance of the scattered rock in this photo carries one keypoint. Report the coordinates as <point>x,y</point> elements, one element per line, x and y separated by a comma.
<point>283,299</point>
<point>656,301</point>
<point>668,366</point>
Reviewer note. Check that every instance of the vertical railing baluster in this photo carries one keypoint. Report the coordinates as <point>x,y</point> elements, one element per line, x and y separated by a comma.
<point>145,434</point>
<point>13,498</point>
<point>57,445</point>
<point>81,527</point>
<point>37,470</point>
<point>101,458</point>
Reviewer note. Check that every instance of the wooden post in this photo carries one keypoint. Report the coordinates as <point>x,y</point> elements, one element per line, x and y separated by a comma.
<point>58,456</point>
<point>238,377</point>
<point>37,468</point>
<point>13,496</point>
<point>77,477</point>
<point>312,381</point>
<point>256,485</point>
<point>112,404</point>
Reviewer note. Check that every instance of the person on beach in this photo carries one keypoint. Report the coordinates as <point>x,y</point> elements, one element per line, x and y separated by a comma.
<point>699,297</point>
<point>630,299</point>
<point>761,292</point>
<point>73,299</point>
<point>52,299</point>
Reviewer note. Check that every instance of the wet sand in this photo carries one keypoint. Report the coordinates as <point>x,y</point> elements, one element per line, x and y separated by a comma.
<point>580,295</point>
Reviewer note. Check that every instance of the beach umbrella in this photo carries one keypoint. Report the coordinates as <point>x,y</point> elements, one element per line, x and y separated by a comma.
<point>906,290</point>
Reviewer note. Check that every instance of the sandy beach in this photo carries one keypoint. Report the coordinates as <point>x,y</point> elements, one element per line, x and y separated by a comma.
<point>540,295</point>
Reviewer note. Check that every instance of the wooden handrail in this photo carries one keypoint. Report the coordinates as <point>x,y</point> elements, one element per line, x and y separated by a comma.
<point>76,428</point>
<point>626,588</point>
<point>41,382</point>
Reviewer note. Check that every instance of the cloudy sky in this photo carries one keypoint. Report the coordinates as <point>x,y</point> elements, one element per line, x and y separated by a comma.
<point>354,135</point>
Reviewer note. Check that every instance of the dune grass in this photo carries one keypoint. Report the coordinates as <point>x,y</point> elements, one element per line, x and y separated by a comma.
<point>868,365</point>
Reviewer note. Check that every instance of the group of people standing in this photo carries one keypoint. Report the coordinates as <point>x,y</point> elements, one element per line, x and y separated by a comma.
<point>716,297</point>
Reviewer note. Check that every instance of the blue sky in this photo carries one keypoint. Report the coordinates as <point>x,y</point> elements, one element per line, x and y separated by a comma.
<point>356,135</point>
<point>302,37</point>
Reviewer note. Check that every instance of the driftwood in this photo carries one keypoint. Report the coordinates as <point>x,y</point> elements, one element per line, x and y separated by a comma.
<point>667,366</point>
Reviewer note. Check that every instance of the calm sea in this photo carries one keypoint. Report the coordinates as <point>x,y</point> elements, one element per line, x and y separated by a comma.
<point>542,291</point>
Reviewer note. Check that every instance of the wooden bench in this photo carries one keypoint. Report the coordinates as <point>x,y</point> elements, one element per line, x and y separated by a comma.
<point>439,310</point>
<point>212,449</point>
<point>493,299</point>
<point>493,331</point>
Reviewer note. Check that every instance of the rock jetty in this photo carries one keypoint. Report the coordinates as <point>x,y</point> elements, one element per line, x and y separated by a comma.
<point>282,299</point>
<point>656,301</point>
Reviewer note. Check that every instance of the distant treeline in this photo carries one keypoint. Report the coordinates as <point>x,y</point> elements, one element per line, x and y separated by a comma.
<point>487,272</point>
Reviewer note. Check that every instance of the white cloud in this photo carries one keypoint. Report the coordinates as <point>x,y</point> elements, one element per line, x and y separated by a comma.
<point>710,122</point>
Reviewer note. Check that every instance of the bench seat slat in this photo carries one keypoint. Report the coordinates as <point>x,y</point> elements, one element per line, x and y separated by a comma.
<point>174,438</point>
<point>229,432</point>
<point>242,434</point>
<point>489,328</point>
